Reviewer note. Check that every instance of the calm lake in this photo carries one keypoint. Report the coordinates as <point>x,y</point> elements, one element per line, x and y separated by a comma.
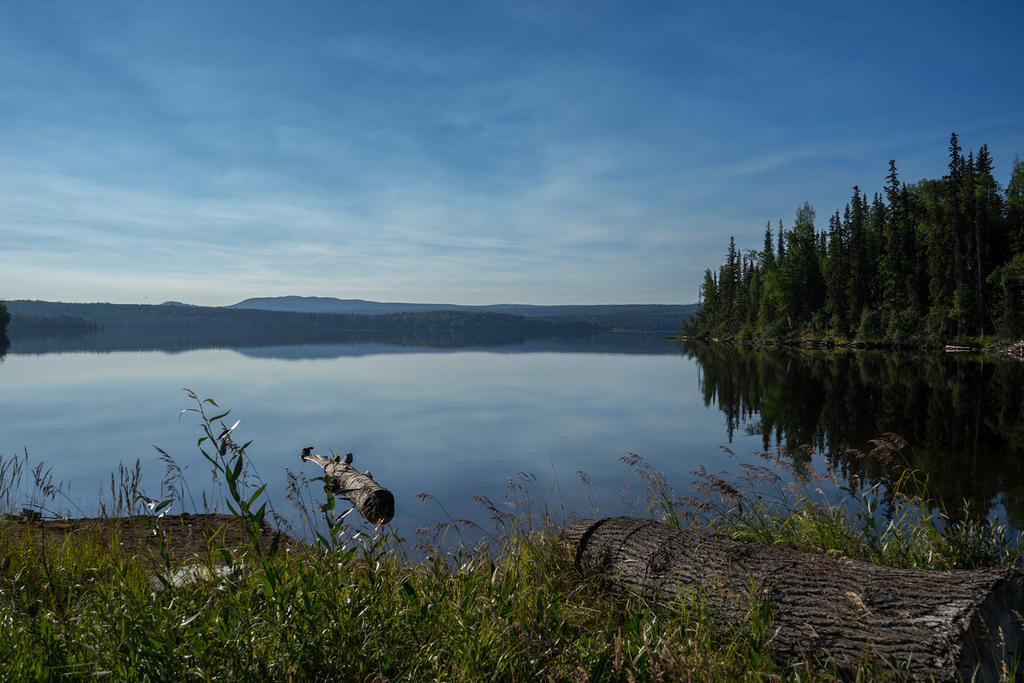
<point>454,422</point>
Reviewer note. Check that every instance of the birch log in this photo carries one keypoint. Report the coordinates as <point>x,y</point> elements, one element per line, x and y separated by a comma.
<point>374,502</point>
<point>932,625</point>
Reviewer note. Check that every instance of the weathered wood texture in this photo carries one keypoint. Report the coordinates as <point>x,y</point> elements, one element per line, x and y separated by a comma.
<point>941,625</point>
<point>374,502</point>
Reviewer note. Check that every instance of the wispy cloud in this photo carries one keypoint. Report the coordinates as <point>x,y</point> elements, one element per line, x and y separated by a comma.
<point>501,152</point>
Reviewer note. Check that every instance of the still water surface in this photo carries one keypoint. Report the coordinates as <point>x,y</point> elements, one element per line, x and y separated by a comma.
<point>451,423</point>
<point>460,422</point>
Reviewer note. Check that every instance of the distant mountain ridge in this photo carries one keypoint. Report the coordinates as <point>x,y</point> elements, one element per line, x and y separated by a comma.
<point>648,317</point>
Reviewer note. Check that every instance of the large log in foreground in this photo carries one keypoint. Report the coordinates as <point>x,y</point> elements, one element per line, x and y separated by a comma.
<point>941,625</point>
<point>374,502</point>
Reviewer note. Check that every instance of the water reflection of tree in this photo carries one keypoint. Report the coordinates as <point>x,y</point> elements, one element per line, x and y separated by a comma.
<point>5,344</point>
<point>962,417</point>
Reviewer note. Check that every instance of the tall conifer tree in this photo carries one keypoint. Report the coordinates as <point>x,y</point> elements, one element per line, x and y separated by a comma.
<point>767,254</point>
<point>955,172</point>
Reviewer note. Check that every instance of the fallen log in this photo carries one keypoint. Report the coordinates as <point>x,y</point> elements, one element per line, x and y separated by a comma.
<point>951,348</point>
<point>374,502</point>
<point>932,625</point>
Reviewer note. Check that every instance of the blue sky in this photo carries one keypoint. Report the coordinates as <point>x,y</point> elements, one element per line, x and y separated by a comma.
<point>464,152</point>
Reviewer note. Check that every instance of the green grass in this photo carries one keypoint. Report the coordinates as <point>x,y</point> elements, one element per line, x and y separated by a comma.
<point>781,500</point>
<point>519,614</point>
<point>510,609</point>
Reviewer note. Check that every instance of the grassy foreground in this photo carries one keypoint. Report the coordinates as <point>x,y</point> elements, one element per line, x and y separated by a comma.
<point>511,609</point>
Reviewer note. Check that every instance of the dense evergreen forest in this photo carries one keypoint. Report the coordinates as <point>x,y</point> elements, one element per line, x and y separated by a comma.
<point>934,261</point>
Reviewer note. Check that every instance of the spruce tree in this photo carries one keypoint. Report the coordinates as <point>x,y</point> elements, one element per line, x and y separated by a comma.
<point>915,263</point>
<point>836,307</point>
<point>802,279</point>
<point>858,286</point>
<point>1006,281</point>
<point>1015,208</point>
<point>731,287</point>
<point>890,270</point>
<point>955,171</point>
<point>878,214</point>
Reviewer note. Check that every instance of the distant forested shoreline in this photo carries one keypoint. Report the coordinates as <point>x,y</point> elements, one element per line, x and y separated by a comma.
<point>4,318</point>
<point>50,327</point>
<point>931,262</point>
<point>181,327</point>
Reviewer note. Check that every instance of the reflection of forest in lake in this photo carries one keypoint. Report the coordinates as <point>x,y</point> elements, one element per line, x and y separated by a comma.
<point>962,416</point>
<point>40,327</point>
<point>259,344</point>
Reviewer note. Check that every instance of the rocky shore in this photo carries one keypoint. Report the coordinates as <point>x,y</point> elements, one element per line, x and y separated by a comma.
<point>1015,350</point>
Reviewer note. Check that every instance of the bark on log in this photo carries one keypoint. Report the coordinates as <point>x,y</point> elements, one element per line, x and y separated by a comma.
<point>374,502</point>
<point>941,625</point>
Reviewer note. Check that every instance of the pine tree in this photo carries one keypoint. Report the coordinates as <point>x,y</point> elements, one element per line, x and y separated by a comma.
<point>709,292</point>
<point>836,263</point>
<point>955,172</point>
<point>767,255</point>
<point>859,286</point>
<point>802,279</point>
<point>878,214</point>
<point>1015,208</point>
<point>891,273</point>
<point>914,259</point>
<point>1007,279</point>
<point>731,287</point>
<point>930,195</point>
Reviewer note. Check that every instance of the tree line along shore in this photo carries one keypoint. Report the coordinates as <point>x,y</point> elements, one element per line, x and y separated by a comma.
<point>934,262</point>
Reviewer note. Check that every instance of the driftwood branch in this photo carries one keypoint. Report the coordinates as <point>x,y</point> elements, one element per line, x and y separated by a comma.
<point>935,625</point>
<point>374,502</point>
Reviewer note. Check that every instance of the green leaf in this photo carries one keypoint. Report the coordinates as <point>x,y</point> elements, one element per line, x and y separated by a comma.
<point>253,497</point>
<point>323,541</point>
